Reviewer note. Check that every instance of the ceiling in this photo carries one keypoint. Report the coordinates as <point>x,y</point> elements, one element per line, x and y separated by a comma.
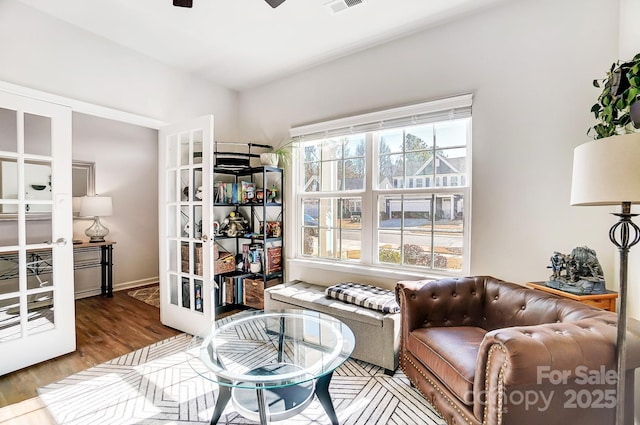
<point>241,44</point>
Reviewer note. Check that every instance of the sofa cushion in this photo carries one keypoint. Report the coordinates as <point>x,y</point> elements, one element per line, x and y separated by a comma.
<point>366,296</point>
<point>312,297</point>
<point>451,354</point>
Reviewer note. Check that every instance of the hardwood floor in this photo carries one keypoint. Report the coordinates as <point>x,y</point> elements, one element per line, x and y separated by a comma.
<point>105,328</point>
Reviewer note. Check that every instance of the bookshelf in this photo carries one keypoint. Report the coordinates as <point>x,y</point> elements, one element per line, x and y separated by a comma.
<point>248,218</point>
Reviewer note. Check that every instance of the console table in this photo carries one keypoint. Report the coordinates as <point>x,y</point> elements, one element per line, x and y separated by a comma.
<point>105,262</point>
<point>604,301</point>
<point>40,262</point>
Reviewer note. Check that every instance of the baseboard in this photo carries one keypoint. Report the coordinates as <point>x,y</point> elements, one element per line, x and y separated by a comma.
<point>135,283</point>
<point>118,287</point>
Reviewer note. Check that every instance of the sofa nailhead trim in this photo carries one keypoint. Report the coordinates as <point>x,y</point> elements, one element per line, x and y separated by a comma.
<point>437,388</point>
<point>493,348</point>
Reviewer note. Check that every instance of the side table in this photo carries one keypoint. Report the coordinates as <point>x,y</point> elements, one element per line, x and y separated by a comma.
<point>604,301</point>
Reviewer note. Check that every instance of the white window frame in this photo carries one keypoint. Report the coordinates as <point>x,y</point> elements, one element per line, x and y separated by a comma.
<point>423,113</point>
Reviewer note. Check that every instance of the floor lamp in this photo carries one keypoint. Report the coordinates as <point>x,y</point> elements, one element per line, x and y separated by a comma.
<point>607,172</point>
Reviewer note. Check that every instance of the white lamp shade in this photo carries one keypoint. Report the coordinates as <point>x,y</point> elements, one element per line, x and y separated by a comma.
<point>96,206</point>
<point>607,171</point>
<point>77,203</point>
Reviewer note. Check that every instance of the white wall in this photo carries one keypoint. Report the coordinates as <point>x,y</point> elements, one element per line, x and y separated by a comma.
<point>126,158</point>
<point>47,54</point>
<point>530,65</point>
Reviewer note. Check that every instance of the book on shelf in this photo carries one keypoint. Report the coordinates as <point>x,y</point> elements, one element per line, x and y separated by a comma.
<point>228,290</point>
<point>234,193</point>
<point>234,292</point>
<point>273,261</point>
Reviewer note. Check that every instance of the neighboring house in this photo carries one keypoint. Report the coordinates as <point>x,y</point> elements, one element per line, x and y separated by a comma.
<point>448,172</point>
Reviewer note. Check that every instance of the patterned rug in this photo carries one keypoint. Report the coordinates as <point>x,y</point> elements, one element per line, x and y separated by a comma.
<point>149,295</point>
<point>156,385</point>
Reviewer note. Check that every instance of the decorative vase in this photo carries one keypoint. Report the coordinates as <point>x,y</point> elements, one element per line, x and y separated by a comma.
<point>269,158</point>
<point>255,267</point>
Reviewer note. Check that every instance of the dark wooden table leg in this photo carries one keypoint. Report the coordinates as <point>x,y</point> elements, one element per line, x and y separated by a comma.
<point>223,398</point>
<point>103,270</point>
<point>322,391</point>
<point>109,271</point>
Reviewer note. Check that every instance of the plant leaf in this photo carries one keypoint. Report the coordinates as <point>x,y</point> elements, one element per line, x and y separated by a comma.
<point>631,94</point>
<point>624,120</point>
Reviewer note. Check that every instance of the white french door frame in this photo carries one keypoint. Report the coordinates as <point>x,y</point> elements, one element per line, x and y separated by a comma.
<point>180,278</point>
<point>31,346</point>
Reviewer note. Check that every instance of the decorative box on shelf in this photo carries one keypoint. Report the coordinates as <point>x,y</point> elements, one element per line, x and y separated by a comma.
<point>254,291</point>
<point>225,263</point>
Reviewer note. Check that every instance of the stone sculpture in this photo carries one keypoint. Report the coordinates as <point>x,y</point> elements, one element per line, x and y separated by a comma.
<point>578,273</point>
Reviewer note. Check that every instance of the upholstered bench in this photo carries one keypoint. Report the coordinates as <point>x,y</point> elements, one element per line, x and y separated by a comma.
<point>377,334</point>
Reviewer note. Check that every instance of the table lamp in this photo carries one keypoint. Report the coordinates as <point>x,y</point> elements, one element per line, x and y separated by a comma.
<point>76,204</point>
<point>96,207</point>
<point>607,172</point>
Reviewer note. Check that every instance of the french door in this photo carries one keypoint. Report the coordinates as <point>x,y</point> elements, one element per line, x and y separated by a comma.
<point>37,311</point>
<point>186,222</point>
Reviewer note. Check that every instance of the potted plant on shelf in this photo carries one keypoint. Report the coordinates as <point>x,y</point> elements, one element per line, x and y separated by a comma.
<point>280,155</point>
<point>618,106</point>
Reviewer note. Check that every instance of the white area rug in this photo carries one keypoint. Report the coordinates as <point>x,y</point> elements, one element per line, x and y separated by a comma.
<point>156,385</point>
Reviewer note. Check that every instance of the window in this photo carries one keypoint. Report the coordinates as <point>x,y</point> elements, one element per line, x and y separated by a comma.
<point>364,192</point>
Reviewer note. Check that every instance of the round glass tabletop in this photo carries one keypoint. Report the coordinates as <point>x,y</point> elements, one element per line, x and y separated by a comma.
<point>270,349</point>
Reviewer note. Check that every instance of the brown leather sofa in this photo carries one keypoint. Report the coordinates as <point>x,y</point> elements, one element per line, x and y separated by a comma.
<point>485,351</point>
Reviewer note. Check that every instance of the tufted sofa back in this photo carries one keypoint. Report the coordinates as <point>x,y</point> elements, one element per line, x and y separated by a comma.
<point>490,303</point>
<point>507,304</point>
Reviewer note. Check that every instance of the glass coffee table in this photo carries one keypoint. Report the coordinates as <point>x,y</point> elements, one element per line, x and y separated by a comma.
<point>270,364</point>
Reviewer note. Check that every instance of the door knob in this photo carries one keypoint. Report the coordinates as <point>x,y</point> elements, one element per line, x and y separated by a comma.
<point>204,238</point>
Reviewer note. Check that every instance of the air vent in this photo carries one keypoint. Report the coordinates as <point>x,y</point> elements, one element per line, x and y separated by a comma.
<point>336,6</point>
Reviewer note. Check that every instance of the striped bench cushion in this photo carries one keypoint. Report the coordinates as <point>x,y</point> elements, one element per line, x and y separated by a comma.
<point>366,296</point>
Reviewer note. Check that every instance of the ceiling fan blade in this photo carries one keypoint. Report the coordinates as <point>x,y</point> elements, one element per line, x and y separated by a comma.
<point>183,3</point>
<point>274,3</point>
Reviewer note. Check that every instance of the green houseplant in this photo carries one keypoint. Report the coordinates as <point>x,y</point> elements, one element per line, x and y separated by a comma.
<point>618,106</point>
<point>281,154</point>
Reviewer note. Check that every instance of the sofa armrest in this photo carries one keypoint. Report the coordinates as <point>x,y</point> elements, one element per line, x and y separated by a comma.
<point>562,346</point>
<point>548,360</point>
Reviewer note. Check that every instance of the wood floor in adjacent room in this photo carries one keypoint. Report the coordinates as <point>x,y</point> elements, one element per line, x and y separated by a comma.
<point>105,328</point>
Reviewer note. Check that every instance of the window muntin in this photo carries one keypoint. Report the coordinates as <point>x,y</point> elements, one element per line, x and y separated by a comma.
<point>335,164</point>
<point>423,231</point>
<point>418,188</point>
<point>332,228</point>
